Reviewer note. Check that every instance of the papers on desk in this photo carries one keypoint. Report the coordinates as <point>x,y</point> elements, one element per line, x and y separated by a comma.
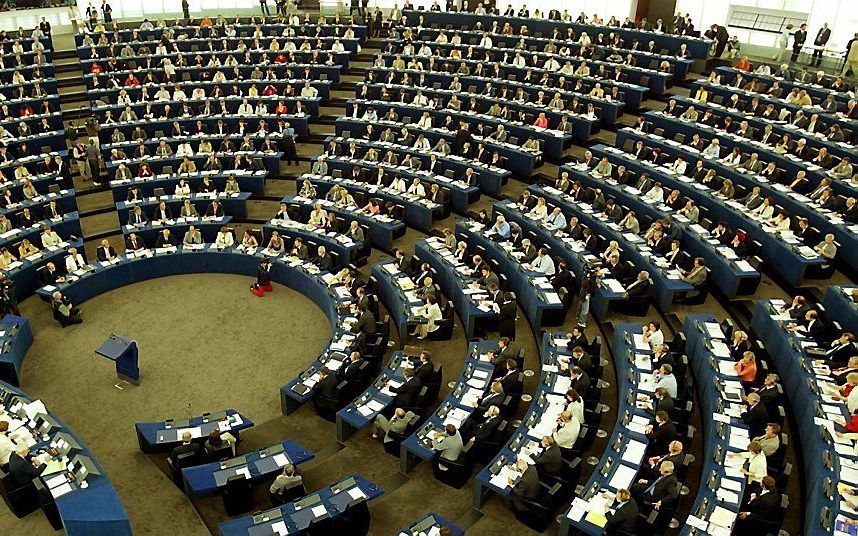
<point>638,424</point>
<point>719,349</point>
<point>634,452</point>
<point>623,477</point>
<point>34,408</point>
<point>640,343</point>
<point>390,385</point>
<point>697,523</point>
<point>244,471</point>
<point>614,285</point>
<point>195,432</point>
<point>714,330</point>
<point>55,466</point>
<point>280,528</point>
<point>356,493</point>
<point>501,480</point>
<point>721,517</point>
<point>319,510</point>
<point>728,496</point>
<point>280,459</point>
<point>61,490</point>
<point>726,368</point>
<point>55,481</point>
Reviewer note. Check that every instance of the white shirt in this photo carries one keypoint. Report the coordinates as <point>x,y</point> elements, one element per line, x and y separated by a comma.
<point>656,194</point>
<point>7,447</point>
<point>183,190</point>
<point>568,434</point>
<point>539,212</point>
<point>432,313</point>
<point>543,265</point>
<point>852,401</point>
<point>50,239</point>
<point>417,189</point>
<point>679,166</point>
<point>224,239</point>
<point>245,109</point>
<point>74,262</point>
<point>425,122</point>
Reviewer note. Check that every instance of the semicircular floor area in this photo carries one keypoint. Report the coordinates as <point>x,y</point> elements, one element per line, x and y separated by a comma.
<point>206,343</point>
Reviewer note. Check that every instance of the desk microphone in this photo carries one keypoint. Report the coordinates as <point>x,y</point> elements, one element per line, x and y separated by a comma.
<point>190,414</point>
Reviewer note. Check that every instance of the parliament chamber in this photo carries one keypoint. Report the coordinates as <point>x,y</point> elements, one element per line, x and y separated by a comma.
<point>429,269</point>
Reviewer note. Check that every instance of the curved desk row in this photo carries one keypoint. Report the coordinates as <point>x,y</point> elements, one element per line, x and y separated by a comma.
<point>428,523</point>
<point>728,74</point>
<point>194,44</point>
<point>344,250</point>
<point>420,212</point>
<point>16,337</point>
<point>533,291</point>
<point>245,30</point>
<point>135,93</point>
<point>726,92</point>
<point>302,514</point>
<point>233,204</point>
<point>472,305</point>
<point>732,275</point>
<point>722,485</point>
<point>539,420</point>
<point>382,229</point>
<point>474,381</point>
<point>578,259</point>
<point>784,257</point>
<point>519,160</point>
<point>260,161</point>
<point>826,460</point>
<point>149,233</point>
<point>656,80</point>
<point>681,66</point>
<point>67,225</point>
<point>839,304</point>
<point>697,47</point>
<point>625,454</point>
<point>24,271</point>
<point>449,176</point>
<point>396,290</point>
<point>791,164</point>
<point>261,464</point>
<point>65,202</point>
<point>666,279</point>
<point>489,178</point>
<point>202,74</point>
<point>248,181</point>
<point>796,204</point>
<point>375,399</point>
<point>82,502</point>
<point>223,106</point>
<point>163,436</point>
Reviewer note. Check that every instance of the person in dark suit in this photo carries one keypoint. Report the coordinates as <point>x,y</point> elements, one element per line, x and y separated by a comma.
<point>625,515</point>
<point>662,490</point>
<point>527,486</point>
<point>49,274</point>
<point>21,470</point>
<point>550,460</point>
<point>479,430</point>
<point>756,416</point>
<point>134,243</point>
<point>105,252</point>
<point>351,367</point>
<point>406,394</point>
<point>581,359</point>
<point>580,381</point>
<point>506,316</point>
<point>662,401</point>
<point>760,508</point>
<point>649,470</point>
<point>165,239</point>
<point>799,37</point>
<point>660,434</point>
<point>425,368</point>
<point>366,321</point>
<point>327,384</point>
<point>186,446</point>
<point>510,378</point>
<point>322,259</point>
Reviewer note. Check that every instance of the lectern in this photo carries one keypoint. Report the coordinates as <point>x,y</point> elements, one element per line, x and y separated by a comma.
<point>123,352</point>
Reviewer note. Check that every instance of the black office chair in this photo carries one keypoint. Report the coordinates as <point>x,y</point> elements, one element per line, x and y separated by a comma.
<point>321,526</point>
<point>21,500</point>
<point>185,459</point>
<point>392,447</point>
<point>220,452</point>
<point>288,495</point>
<point>355,520</point>
<point>49,506</point>
<point>237,495</point>
<point>538,513</point>
<point>454,473</point>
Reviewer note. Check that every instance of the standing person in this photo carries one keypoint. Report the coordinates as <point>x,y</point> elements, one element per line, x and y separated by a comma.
<point>79,157</point>
<point>263,279</point>
<point>822,37</point>
<point>107,12</point>
<point>8,299</point>
<point>45,26</point>
<point>186,10</point>
<point>93,160</point>
<point>263,4</point>
<point>851,63</point>
<point>783,43</point>
<point>798,40</point>
<point>588,287</point>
